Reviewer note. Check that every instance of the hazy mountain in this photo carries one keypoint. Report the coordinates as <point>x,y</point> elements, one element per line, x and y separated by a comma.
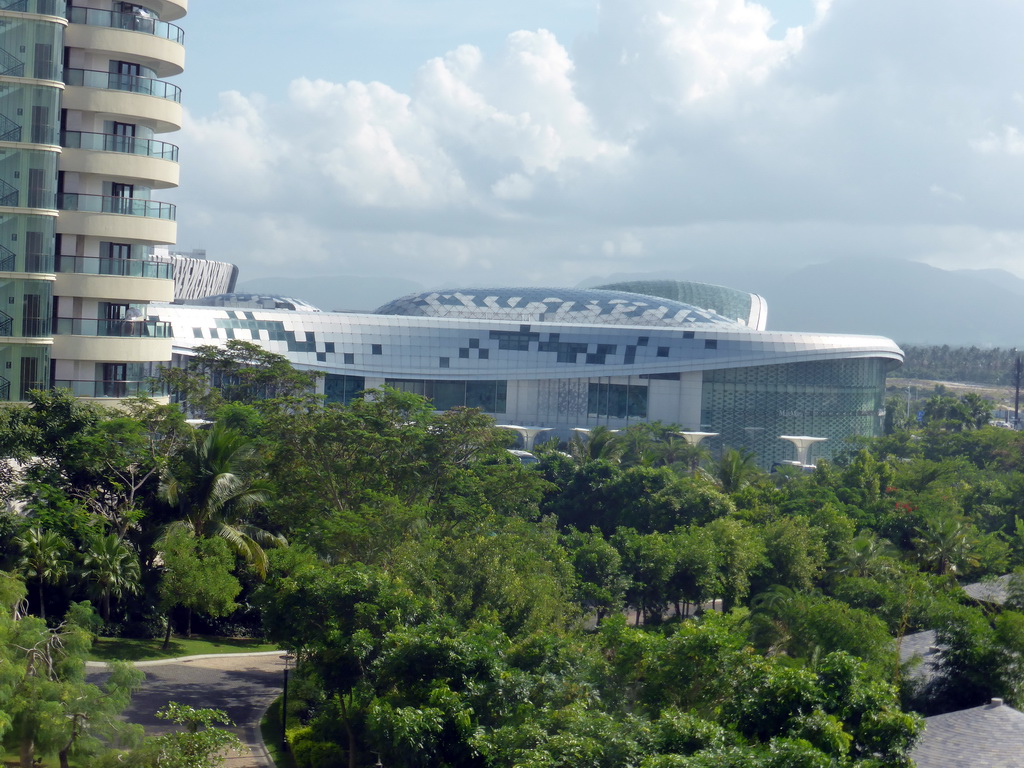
<point>337,292</point>
<point>906,301</point>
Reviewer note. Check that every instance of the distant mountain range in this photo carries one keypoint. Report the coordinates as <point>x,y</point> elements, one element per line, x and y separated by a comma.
<point>910,302</point>
<point>904,300</point>
<point>338,292</point>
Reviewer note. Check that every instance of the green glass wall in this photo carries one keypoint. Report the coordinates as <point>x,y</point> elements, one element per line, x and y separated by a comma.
<point>31,48</point>
<point>22,368</point>
<point>26,243</point>
<point>29,113</point>
<point>26,307</point>
<point>751,407</point>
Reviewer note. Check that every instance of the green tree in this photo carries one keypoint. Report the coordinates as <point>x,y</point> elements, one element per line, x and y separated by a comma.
<point>43,559</point>
<point>213,487</point>
<point>795,553</point>
<point>200,745</point>
<point>601,584</point>
<point>945,543</point>
<point>46,707</point>
<point>196,576</point>
<point>239,372</point>
<point>599,444</point>
<point>110,566</point>
<point>736,468</point>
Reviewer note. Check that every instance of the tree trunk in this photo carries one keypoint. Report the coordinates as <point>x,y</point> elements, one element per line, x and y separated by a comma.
<point>42,607</point>
<point>188,625</point>
<point>167,637</point>
<point>352,752</point>
<point>106,607</point>
<point>27,751</point>
<point>63,756</point>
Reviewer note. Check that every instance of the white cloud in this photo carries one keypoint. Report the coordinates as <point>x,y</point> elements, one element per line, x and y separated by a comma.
<point>1009,141</point>
<point>677,127</point>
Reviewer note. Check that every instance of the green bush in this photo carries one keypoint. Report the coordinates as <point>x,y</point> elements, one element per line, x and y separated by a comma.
<point>309,753</point>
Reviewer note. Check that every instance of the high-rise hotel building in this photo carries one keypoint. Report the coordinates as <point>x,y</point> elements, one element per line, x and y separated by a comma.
<point>83,101</point>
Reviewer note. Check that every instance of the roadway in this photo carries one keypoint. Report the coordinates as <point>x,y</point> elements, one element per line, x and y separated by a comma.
<point>243,685</point>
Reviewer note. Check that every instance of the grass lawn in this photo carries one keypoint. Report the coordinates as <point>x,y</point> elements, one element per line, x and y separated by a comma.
<point>270,729</point>
<point>11,760</point>
<point>111,648</point>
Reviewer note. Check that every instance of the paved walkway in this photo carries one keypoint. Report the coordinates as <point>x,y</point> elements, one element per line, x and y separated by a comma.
<point>243,685</point>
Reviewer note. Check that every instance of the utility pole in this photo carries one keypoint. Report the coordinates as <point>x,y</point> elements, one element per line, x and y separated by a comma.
<point>1017,369</point>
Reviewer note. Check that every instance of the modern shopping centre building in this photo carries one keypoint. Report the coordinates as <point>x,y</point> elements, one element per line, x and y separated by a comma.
<point>565,359</point>
<point>84,106</point>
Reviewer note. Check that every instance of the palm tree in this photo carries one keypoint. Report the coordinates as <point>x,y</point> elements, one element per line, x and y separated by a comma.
<point>212,493</point>
<point>945,543</point>
<point>675,451</point>
<point>599,443</point>
<point>42,558</point>
<point>736,469</point>
<point>863,555</point>
<point>111,567</point>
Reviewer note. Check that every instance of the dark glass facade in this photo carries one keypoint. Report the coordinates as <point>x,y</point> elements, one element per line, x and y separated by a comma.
<point>488,396</point>
<point>617,401</point>
<point>342,389</point>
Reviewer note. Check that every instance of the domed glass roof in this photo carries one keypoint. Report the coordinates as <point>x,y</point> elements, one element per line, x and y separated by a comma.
<point>553,305</point>
<point>252,301</point>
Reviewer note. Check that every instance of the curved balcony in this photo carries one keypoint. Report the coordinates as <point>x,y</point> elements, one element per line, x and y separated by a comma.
<point>96,265</point>
<point>164,56</point>
<point>168,10</point>
<point>124,206</point>
<point>112,81</point>
<point>109,389</point>
<point>162,115</point>
<point>42,7</point>
<point>129,145</point>
<point>128,280</point>
<point>132,22</point>
<point>148,172</point>
<point>122,329</point>
<point>98,349</point>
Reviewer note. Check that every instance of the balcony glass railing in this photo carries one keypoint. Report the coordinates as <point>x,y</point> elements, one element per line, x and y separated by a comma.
<point>95,265</point>
<point>112,81</point>
<point>130,21</point>
<point>43,7</point>
<point>109,142</point>
<point>122,329</point>
<point>126,206</point>
<point>89,388</point>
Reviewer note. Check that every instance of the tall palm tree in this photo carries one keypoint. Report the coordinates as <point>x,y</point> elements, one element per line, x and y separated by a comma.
<point>111,567</point>
<point>213,491</point>
<point>43,558</point>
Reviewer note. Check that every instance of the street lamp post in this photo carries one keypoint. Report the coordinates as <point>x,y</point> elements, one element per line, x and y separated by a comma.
<point>287,658</point>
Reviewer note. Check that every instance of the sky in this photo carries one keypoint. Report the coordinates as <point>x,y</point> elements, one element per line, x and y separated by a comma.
<point>478,142</point>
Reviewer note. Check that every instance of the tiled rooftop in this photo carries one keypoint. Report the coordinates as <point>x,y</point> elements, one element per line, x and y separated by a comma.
<point>990,736</point>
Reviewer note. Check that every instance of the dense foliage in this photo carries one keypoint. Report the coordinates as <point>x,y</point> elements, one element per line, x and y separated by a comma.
<point>976,365</point>
<point>626,601</point>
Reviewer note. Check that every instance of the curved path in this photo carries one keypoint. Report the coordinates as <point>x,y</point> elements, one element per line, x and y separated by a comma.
<point>243,685</point>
